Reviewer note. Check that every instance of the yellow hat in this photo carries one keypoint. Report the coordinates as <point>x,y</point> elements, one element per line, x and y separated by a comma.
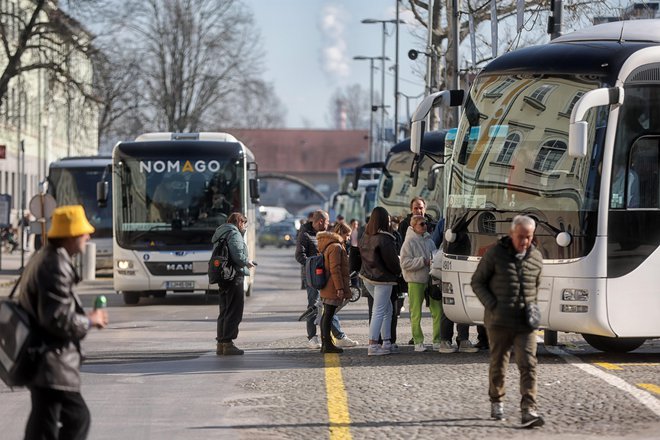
<point>69,221</point>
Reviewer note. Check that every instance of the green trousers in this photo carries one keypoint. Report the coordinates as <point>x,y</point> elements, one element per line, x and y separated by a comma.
<point>415,303</point>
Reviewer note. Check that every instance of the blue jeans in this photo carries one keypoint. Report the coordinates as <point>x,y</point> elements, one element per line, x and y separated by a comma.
<point>312,296</point>
<point>381,317</point>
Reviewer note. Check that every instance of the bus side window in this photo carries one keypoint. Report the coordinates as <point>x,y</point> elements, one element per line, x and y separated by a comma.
<point>644,163</point>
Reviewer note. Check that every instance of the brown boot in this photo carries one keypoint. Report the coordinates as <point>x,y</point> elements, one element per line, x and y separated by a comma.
<point>229,349</point>
<point>219,349</point>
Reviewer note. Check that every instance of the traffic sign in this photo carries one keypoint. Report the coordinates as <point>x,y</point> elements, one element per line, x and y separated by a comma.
<point>42,209</point>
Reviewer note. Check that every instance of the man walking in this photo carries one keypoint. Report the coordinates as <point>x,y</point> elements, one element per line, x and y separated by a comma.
<point>307,246</point>
<point>506,278</point>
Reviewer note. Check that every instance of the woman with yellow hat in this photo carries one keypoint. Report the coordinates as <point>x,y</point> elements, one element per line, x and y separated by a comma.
<point>58,409</point>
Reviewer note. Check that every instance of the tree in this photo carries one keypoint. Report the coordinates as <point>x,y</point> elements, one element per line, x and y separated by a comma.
<point>349,108</point>
<point>443,62</point>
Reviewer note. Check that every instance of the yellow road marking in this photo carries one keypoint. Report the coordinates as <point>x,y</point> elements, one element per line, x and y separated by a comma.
<point>608,366</point>
<point>650,387</point>
<point>640,364</point>
<point>338,416</point>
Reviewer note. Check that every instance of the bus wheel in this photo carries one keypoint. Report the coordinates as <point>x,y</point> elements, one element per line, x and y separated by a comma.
<point>616,345</point>
<point>131,298</point>
<point>549,338</point>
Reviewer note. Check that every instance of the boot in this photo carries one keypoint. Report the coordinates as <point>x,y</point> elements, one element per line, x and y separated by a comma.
<point>531,419</point>
<point>327,345</point>
<point>219,349</point>
<point>229,349</point>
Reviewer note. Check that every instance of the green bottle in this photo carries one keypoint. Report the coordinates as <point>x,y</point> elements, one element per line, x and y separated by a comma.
<point>101,302</point>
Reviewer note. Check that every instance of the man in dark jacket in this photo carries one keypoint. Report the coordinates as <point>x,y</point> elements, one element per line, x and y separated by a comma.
<point>58,409</point>
<point>506,278</point>
<point>307,246</point>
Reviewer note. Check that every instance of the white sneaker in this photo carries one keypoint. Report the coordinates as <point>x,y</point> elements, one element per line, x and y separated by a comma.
<point>467,347</point>
<point>420,347</point>
<point>346,342</point>
<point>377,350</point>
<point>393,348</point>
<point>446,347</point>
<point>314,342</point>
<point>436,346</point>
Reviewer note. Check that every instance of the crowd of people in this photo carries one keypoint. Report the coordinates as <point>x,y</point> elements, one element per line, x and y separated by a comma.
<point>394,257</point>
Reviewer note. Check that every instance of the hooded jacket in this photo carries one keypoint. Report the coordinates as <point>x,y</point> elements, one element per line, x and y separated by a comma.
<point>415,250</point>
<point>501,280</point>
<point>380,258</point>
<point>236,244</point>
<point>306,246</point>
<point>335,258</point>
<point>47,295</point>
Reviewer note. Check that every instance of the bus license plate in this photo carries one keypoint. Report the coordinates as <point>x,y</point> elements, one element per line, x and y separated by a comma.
<point>180,285</point>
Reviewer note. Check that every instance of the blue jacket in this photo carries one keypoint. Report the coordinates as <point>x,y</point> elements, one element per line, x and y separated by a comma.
<point>236,244</point>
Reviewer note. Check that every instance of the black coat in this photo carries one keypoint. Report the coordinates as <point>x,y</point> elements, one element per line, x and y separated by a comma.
<point>47,295</point>
<point>306,246</point>
<point>380,258</point>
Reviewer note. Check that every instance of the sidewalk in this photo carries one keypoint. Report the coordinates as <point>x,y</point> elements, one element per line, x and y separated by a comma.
<point>10,269</point>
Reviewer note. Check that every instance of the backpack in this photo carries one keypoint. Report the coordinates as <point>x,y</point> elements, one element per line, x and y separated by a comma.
<point>221,268</point>
<point>20,344</point>
<point>315,273</point>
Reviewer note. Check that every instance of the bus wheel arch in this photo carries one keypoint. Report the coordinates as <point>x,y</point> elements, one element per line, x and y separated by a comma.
<point>615,345</point>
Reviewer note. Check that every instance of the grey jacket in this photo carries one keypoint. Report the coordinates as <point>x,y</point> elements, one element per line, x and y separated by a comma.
<point>415,250</point>
<point>47,295</point>
<point>501,280</point>
<point>236,244</point>
<point>306,246</point>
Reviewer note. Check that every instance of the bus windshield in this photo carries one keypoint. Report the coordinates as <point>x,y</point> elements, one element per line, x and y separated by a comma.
<point>511,157</point>
<point>169,202</point>
<point>77,185</point>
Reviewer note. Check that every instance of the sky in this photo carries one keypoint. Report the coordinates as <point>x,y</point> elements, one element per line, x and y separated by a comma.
<point>310,45</point>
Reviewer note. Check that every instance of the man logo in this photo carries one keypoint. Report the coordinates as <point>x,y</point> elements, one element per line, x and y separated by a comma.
<point>179,267</point>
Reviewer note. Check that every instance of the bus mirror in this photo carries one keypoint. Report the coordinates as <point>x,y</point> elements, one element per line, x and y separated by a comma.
<point>388,184</point>
<point>254,190</point>
<point>416,136</point>
<point>577,139</point>
<point>102,194</point>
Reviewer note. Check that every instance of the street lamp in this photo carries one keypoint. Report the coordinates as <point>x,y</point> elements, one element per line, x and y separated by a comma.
<point>396,76</point>
<point>371,101</point>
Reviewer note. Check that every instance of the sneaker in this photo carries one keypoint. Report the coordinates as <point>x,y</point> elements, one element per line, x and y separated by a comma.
<point>497,410</point>
<point>466,347</point>
<point>346,342</point>
<point>420,347</point>
<point>314,342</point>
<point>393,348</point>
<point>530,419</point>
<point>436,346</point>
<point>229,349</point>
<point>377,350</point>
<point>446,347</point>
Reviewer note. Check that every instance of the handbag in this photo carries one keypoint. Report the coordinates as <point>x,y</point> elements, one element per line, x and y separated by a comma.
<point>221,269</point>
<point>20,343</point>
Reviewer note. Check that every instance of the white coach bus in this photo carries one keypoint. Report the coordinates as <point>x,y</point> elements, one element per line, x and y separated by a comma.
<point>170,192</point>
<point>568,133</point>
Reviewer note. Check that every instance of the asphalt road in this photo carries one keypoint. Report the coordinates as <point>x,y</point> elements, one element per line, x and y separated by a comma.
<point>153,374</point>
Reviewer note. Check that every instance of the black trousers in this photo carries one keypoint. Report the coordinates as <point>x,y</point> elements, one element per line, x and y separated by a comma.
<point>231,302</point>
<point>52,407</point>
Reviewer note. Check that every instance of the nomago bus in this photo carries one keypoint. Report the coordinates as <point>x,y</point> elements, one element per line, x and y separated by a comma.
<point>72,181</point>
<point>170,193</point>
<point>568,133</point>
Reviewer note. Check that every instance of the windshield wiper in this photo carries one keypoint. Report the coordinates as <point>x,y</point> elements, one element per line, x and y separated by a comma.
<point>153,228</point>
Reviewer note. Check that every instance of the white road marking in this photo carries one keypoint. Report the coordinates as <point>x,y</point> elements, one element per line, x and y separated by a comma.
<point>644,397</point>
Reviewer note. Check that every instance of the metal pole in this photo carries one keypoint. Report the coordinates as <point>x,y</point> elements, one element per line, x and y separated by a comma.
<point>429,64</point>
<point>382,102</point>
<point>456,31</point>
<point>396,77</point>
<point>22,204</point>
<point>371,110</point>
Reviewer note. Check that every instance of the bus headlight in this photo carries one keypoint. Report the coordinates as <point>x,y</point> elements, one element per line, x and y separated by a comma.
<point>570,308</point>
<point>575,295</point>
<point>124,264</point>
<point>448,301</point>
<point>447,288</point>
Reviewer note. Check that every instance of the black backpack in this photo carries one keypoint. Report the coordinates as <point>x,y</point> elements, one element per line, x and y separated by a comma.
<point>315,273</point>
<point>221,268</point>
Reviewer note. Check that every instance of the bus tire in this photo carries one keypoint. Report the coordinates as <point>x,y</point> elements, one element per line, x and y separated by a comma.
<point>615,345</point>
<point>549,338</point>
<point>131,298</point>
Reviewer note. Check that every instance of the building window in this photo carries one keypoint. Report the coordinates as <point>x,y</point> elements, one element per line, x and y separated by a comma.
<point>509,146</point>
<point>496,92</point>
<point>574,101</point>
<point>540,93</point>
<point>550,154</point>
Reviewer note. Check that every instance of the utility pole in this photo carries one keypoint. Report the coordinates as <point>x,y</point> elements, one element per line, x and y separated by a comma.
<point>396,77</point>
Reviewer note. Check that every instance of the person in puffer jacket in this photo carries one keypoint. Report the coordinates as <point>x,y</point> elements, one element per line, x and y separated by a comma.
<point>338,289</point>
<point>508,277</point>
<point>416,256</point>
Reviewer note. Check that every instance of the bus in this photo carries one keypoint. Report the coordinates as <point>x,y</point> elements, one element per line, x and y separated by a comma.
<point>72,181</point>
<point>569,134</point>
<point>397,187</point>
<point>359,198</point>
<point>170,193</point>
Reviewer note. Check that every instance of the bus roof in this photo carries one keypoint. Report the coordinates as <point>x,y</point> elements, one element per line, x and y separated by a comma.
<point>81,162</point>
<point>202,136</point>
<point>600,51</point>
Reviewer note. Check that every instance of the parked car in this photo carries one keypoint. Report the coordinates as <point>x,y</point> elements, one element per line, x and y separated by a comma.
<point>278,234</point>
